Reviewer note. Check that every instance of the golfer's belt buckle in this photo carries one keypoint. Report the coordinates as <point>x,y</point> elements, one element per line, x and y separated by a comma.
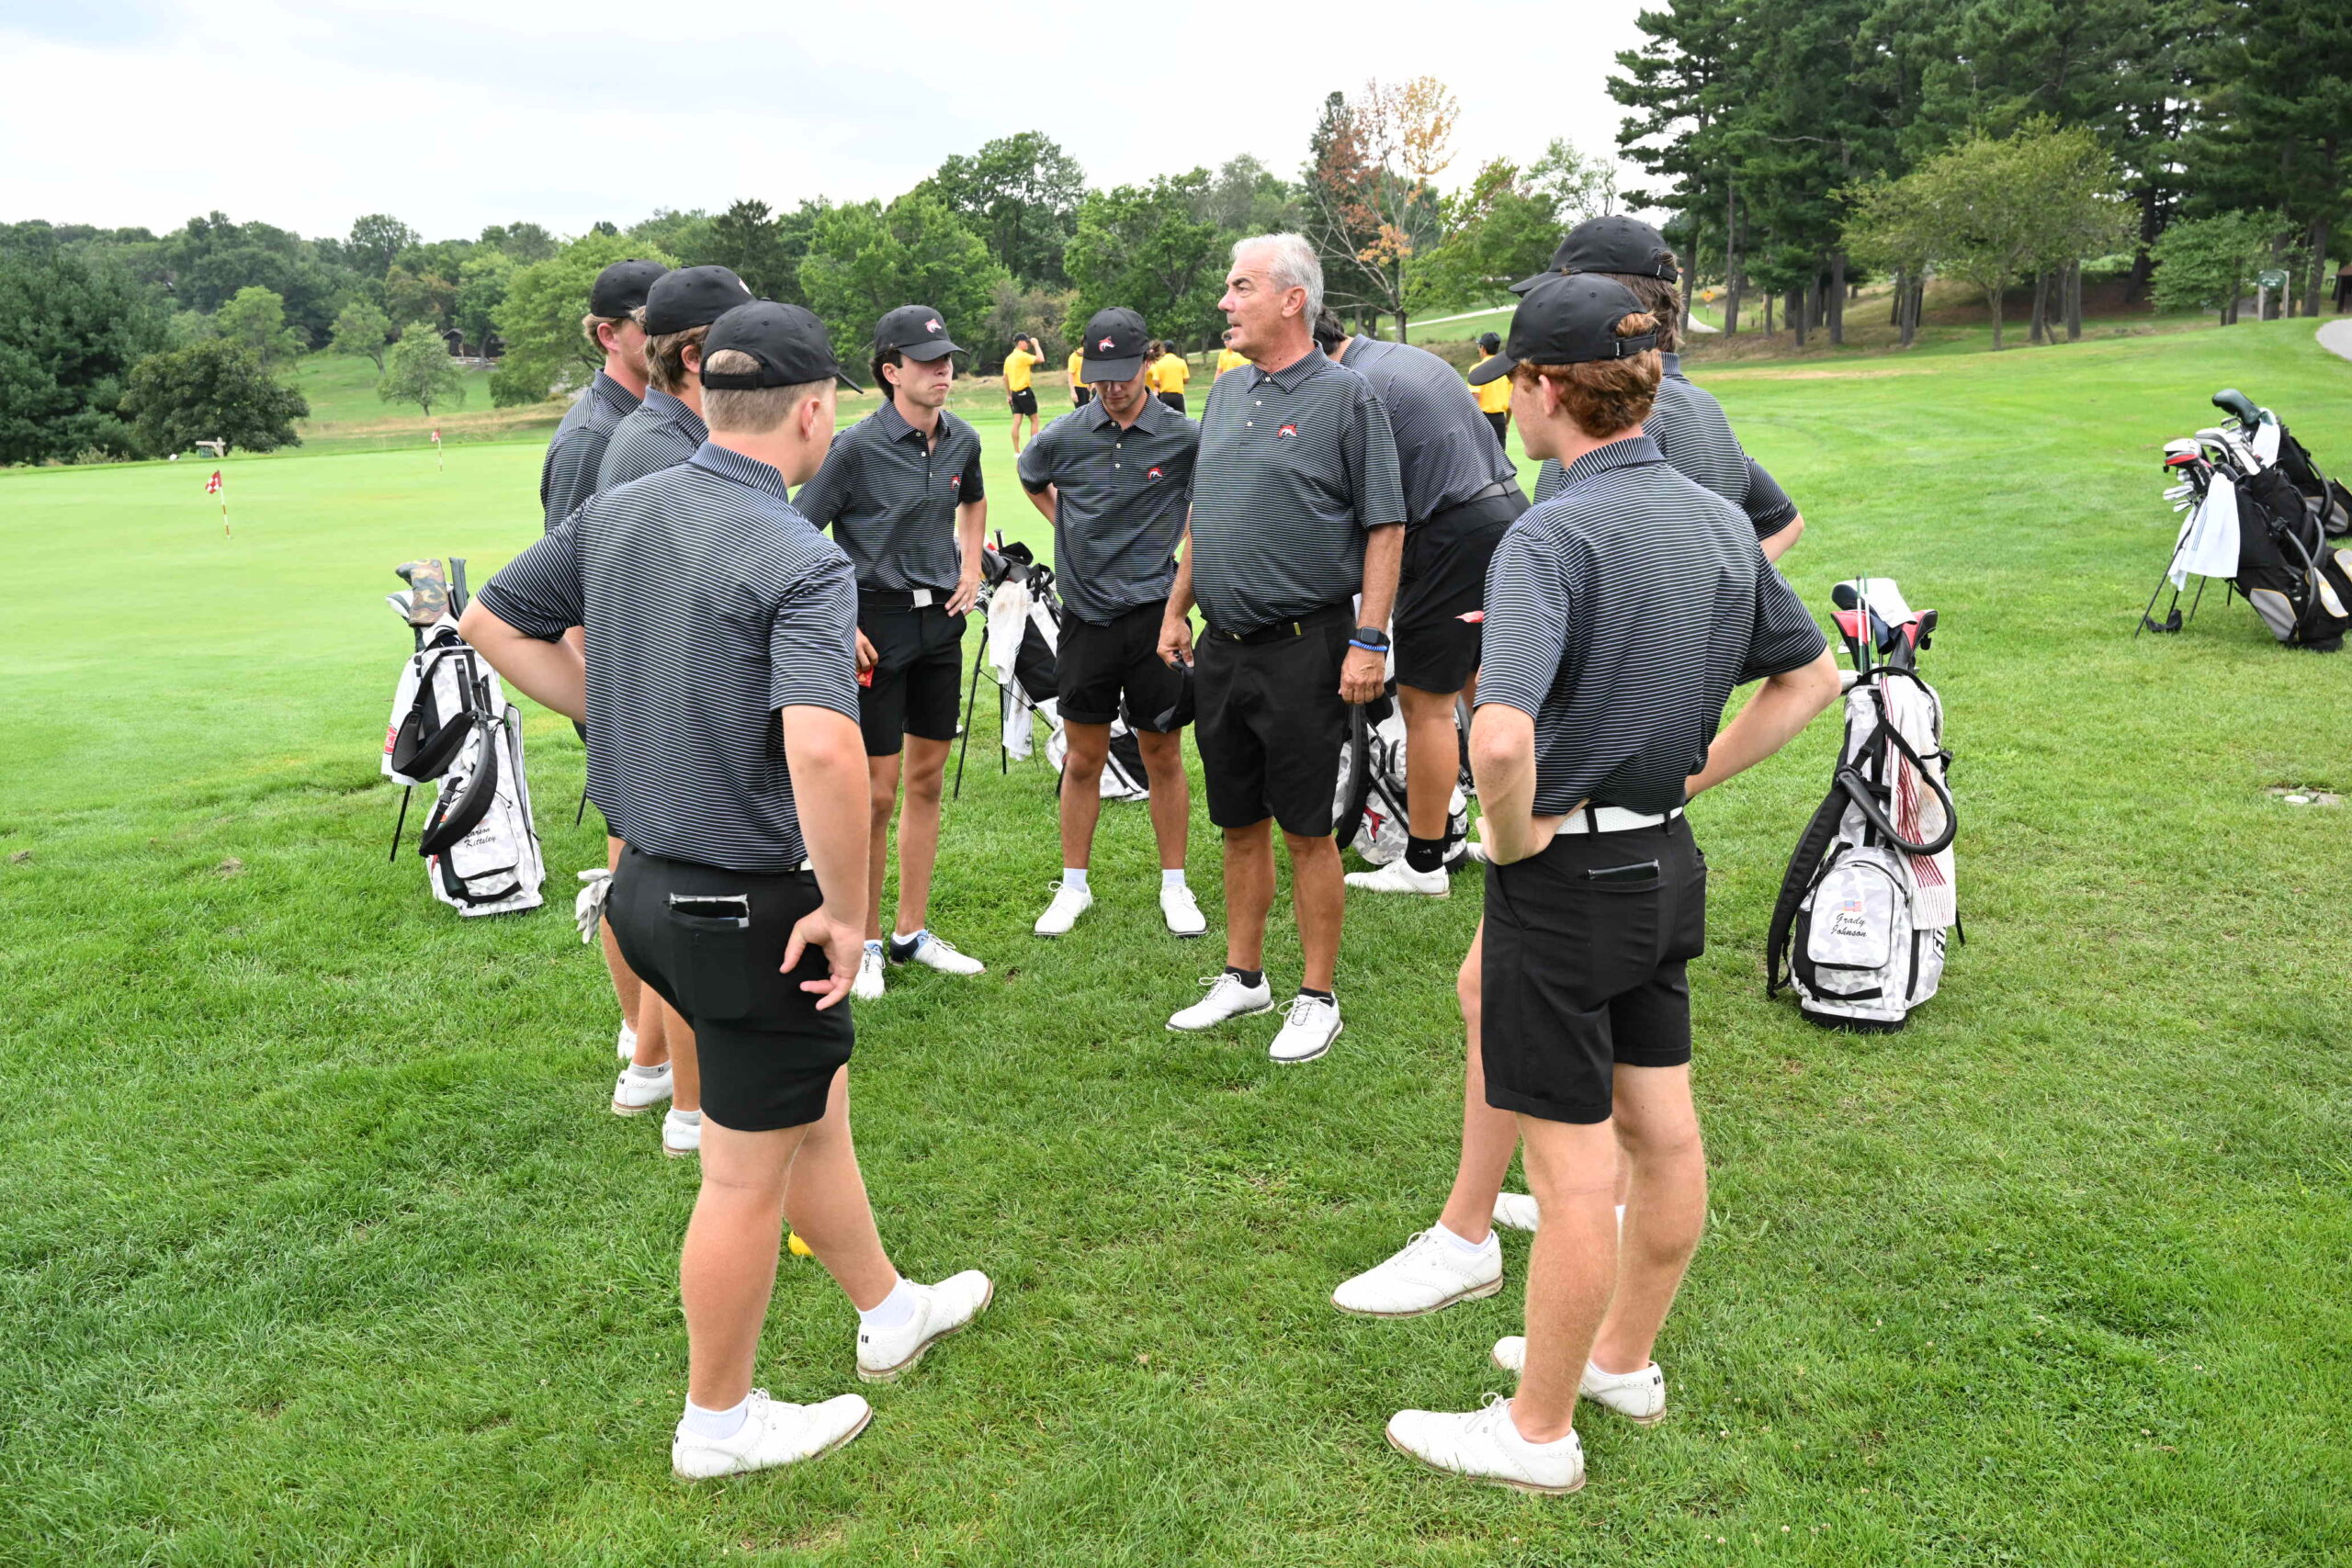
<point>922,598</point>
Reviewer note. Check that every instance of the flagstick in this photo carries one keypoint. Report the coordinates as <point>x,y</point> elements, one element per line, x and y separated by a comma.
<point>224,519</point>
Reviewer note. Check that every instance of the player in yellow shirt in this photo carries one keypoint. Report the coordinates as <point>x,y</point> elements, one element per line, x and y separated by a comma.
<point>1494,398</point>
<point>1078,393</point>
<point>1226,358</point>
<point>1168,373</point>
<point>1023,398</point>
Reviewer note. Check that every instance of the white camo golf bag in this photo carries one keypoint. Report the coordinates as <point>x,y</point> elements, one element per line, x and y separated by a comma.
<point>452,728</point>
<point>1025,634</point>
<point>1370,814</point>
<point>1859,930</point>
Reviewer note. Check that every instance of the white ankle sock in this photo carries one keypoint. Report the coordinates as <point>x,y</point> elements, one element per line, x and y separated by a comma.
<point>715,1424</point>
<point>691,1118</point>
<point>1467,1248</point>
<point>636,1071</point>
<point>1074,877</point>
<point>893,1311</point>
<point>1173,878</point>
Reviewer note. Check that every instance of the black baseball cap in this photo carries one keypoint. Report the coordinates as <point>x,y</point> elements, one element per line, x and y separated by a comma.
<point>1567,320</point>
<point>1490,342</point>
<point>620,287</point>
<point>1615,244</point>
<point>914,331</point>
<point>692,296</point>
<point>1114,346</point>
<point>790,344</point>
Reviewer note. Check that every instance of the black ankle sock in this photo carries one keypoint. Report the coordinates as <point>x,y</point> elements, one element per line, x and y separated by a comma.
<point>1318,995</point>
<point>1425,854</point>
<point>1253,978</point>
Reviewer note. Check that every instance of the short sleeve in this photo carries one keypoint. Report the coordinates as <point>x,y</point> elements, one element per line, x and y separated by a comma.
<point>1529,597</point>
<point>973,487</point>
<point>1769,508</point>
<point>538,592</point>
<point>1034,465</point>
<point>822,499</point>
<point>1785,638</point>
<point>812,640</point>
<point>1378,488</point>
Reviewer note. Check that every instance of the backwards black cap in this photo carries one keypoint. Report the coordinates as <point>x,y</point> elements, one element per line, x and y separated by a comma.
<point>914,331</point>
<point>1567,320</point>
<point>1615,244</point>
<point>1114,346</point>
<point>692,296</point>
<point>790,344</point>
<point>620,287</point>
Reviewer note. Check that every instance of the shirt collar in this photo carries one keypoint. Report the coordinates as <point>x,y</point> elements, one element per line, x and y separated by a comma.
<point>674,409</point>
<point>1622,453</point>
<point>750,472</point>
<point>1151,421</point>
<point>1290,376</point>
<point>1671,363</point>
<point>612,392</point>
<point>894,425</point>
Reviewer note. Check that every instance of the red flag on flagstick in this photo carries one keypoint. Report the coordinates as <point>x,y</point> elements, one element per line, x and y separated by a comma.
<point>216,486</point>
<point>213,485</point>
<point>437,449</point>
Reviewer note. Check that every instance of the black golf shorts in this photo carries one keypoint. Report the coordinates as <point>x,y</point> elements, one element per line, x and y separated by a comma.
<point>1082,396</point>
<point>1269,723</point>
<point>1096,664</point>
<point>1501,422</point>
<point>1443,578</point>
<point>1173,399</point>
<point>1583,973</point>
<point>919,660</point>
<point>1023,401</point>
<point>709,942</point>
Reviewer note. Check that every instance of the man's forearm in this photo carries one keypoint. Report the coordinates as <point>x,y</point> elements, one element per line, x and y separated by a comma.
<point>971,534</point>
<point>1502,761</point>
<point>552,674</point>
<point>826,758</point>
<point>1773,718</point>
<point>1179,592</point>
<point>1384,555</point>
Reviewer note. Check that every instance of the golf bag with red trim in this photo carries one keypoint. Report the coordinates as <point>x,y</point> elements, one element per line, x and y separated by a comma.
<point>1370,815</point>
<point>1859,930</point>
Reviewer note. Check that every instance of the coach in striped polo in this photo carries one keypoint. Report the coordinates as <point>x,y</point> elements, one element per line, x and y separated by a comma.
<point>1113,478</point>
<point>901,491</point>
<point>1687,422</point>
<point>1620,617</point>
<point>1296,507</point>
<point>722,686</point>
<point>567,474</point>
<point>668,428</point>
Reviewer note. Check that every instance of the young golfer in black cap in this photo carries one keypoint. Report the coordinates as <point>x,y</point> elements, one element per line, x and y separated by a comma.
<point>901,491</point>
<point>721,695</point>
<point>668,429</point>
<point>567,474</point>
<point>1620,615</point>
<point>1113,479</point>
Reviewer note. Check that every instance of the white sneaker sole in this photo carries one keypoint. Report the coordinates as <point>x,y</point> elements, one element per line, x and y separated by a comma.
<point>834,1446</point>
<point>1312,1056</point>
<point>1528,1486</point>
<point>1474,1293</point>
<point>1174,1028</point>
<point>1445,892</point>
<point>620,1110</point>
<point>892,1374</point>
<point>694,1153</point>
<point>1187,936</point>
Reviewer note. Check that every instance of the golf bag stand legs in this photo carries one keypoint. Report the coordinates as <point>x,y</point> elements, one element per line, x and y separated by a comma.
<point>971,706</point>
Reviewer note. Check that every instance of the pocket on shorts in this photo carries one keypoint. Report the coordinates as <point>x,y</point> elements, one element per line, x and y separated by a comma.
<point>713,972</point>
<point>1688,937</point>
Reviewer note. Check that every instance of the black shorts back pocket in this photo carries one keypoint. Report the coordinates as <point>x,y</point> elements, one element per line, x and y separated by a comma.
<point>711,938</point>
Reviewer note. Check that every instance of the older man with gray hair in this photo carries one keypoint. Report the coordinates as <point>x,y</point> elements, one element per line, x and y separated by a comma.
<point>1298,507</point>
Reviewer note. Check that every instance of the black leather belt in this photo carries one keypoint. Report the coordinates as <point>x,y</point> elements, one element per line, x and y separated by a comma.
<point>1282,631</point>
<point>903,598</point>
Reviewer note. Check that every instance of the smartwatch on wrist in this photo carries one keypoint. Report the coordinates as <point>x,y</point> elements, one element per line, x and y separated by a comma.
<point>1372,639</point>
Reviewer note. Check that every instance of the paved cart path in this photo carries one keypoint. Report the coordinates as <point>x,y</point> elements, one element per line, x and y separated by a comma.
<point>2335,336</point>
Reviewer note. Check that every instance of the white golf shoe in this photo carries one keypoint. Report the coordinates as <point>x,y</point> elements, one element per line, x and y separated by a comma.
<point>626,1043</point>
<point>934,953</point>
<point>772,1434</point>
<point>1069,902</point>
<point>1398,877</point>
<point>1227,998</point>
<point>883,1354</point>
<point>1429,1273</point>
<point>1515,1210</point>
<point>1637,1396</point>
<point>1181,911</point>
<point>634,1092</point>
<point>1309,1025</point>
<point>680,1137</point>
<point>1484,1446</point>
<point>867,987</point>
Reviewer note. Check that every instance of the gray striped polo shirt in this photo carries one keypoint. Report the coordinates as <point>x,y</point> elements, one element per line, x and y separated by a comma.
<point>714,604</point>
<point>1690,428</point>
<point>1293,469</point>
<point>661,434</point>
<point>568,475</point>
<point>1620,614</point>
<point>1119,506</point>
<point>1446,451</point>
<point>890,498</point>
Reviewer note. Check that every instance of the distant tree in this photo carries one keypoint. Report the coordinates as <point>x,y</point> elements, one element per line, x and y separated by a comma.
<point>212,391</point>
<point>189,326</point>
<point>1246,198</point>
<point>1142,246</point>
<point>522,242</point>
<point>255,321</point>
<point>418,297</point>
<point>377,242</point>
<point>1576,186</point>
<point>685,235</point>
<point>1020,194</point>
<point>1890,225</point>
<point>2210,263</point>
<point>362,329</point>
<point>72,326</point>
<point>1499,229</point>
<point>204,264</point>
<point>481,290</point>
<point>865,259</point>
<point>1042,313</point>
<point>419,370</point>
<point>1370,201</point>
<point>539,319</point>
<point>764,249</point>
<point>605,228</point>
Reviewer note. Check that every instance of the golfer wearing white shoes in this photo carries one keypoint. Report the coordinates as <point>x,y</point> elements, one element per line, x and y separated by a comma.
<point>1620,615</point>
<point>721,695</point>
<point>1297,508</point>
<point>1113,478</point>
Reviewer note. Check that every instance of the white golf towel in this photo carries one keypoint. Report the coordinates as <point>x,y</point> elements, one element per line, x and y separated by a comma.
<point>2208,546</point>
<point>1912,709</point>
<point>2266,441</point>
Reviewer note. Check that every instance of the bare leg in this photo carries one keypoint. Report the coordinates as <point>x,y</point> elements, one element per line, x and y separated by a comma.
<point>626,985</point>
<point>1318,899</point>
<point>1658,1128</point>
<point>1489,1136</point>
<point>824,1200</point>
<point>1171,794</point>
<point>1432,758</point>
<point>727,1267</point>
<point>1248,893</point>
<point>1571,1271</point>
<point>686,1071</point>
<point>919,830</point>
<point>1081,806</point>
<point>882,784</point>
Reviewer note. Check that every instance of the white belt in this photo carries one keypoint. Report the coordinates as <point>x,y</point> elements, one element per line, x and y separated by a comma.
<point>1612,820</point>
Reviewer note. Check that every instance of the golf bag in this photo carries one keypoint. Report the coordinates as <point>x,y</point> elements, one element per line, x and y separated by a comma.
<point>1370,814</point>
<point>1024,631</point>
<point>452,728</point>
<point>2246,521</point>
<point>2328,504</point>
<point>1859,930</point>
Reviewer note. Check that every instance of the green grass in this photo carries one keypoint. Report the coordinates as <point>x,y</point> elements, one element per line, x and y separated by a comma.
<point>321,1248</point>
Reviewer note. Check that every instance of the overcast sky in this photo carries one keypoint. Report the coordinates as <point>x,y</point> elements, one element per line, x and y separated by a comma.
<point>452,116</point>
